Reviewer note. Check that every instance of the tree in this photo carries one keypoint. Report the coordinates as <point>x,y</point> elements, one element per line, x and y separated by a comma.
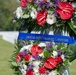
<point>7,7</point>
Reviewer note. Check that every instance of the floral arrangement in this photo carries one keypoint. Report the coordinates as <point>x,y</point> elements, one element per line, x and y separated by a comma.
<point>40,58</point>
<point>37,14</point>
<point>44,58</point>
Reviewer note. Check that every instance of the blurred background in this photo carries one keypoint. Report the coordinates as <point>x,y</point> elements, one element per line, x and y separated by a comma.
<point>7,9</point>
<point>8,35</point>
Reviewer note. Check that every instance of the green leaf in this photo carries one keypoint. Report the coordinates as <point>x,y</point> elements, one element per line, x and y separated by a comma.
<point>71,26</point>
<point>14,64</point>
<point>25,16</point>
<point>73,53</point>
<point>46,54</point>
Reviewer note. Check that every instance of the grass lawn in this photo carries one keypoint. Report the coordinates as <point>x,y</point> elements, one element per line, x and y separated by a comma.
<point>73,68</point>
<point>6,50</point>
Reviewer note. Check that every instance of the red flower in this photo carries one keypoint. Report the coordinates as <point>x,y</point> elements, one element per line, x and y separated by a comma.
<point>27,57</point>
<point>36,50</point>
<point>30,0</point>
<point>41,17</point>
<point>29,72</point>
<point>58,59</point>
<point>50,63</point>
<point>42,70</point>
<point>23,3</point>
<point>45,0</point>
<point>18,58</point>
<point>65,10</point>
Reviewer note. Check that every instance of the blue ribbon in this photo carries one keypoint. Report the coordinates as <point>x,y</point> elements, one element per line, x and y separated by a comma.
<point>46,37</point>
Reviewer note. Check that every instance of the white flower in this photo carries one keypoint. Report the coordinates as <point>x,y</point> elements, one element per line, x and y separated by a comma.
<point>13,21</point>
<point>36,69</point>
<point>51,19</point>
<point>25,48</point>
<point>54,46</point>
<point>41,55</point>
<point>19,12</point>
<point>20,64</point>
<point>23,71</point>
<point>36,72</point>
<point>54,72</point>
<point>24,66</point>
<point>63,57</point>
<point>36,63</point>
<point>33,13</point>
<point>55,53</point>
<point>48,0</point>
<point>32,59</point>
<point>42,45</point>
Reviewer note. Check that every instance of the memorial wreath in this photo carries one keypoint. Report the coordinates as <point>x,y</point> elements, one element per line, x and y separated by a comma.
<point>36,57</point>
<point>40,58</point>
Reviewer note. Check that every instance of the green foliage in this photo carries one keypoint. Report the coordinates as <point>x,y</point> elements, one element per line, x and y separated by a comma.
<point>6,50</point>
<point>47,54</point>
<point>71,26</point>
<point>6,14</point>
<point>14,64</point>
<point>73,53</point>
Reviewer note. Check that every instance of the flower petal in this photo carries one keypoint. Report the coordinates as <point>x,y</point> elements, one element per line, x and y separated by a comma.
<point>65,10</point>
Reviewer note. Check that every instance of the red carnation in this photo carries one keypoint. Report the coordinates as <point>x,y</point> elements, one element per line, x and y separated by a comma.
<point>23,3</point>
<point>41,17</point>
<point>42,70</point>
<point>27,57</point>
<point>65,10</point>
<point>18,58</point>
<point>58,59</point>
<point>50,63</point>
<point>36,50</point>
<point>29,72</point>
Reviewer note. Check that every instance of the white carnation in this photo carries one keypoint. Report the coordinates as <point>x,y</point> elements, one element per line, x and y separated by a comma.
<point>24,66</point>
<point>36,72</point>
<point>36,63</point>
<point>25,48</point>
<point>23,71</point>
<point>55,53</point>
<point>32,59</point>
<point>54,47</point>
<point>20,64</point>
<point>51,19</point>
<point>33,13</point>
<point>42,45</point>
<point>41,55</point>
<point>48,0</point>
<point>63,57</point>
<point>36,69</point>
<point>54,72</point>
<point>19,12</point>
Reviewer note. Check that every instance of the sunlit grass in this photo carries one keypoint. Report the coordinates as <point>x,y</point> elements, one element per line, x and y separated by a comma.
<point>73,68</point>
<point>6,50</point>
